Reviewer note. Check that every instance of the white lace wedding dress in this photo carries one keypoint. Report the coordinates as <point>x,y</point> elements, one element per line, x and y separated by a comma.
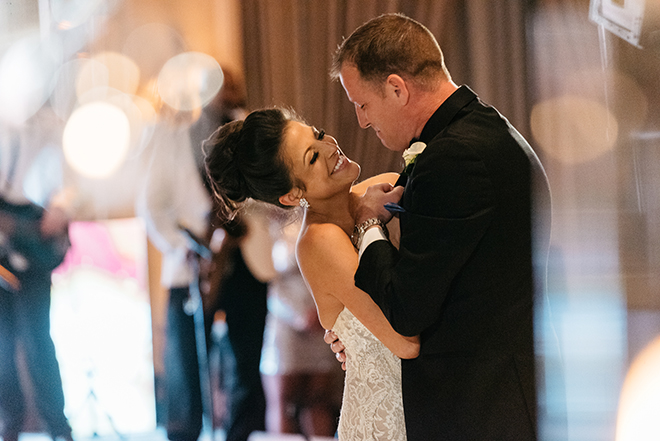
<point>372,406</point>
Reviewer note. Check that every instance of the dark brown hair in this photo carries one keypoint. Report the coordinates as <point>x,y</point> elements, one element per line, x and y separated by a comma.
<point>244,160</point>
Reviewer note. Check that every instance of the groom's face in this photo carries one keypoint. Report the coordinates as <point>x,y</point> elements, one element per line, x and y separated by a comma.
<point>375,108</point>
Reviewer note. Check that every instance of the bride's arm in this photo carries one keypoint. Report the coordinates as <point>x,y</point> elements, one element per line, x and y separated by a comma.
<point>328,262</point>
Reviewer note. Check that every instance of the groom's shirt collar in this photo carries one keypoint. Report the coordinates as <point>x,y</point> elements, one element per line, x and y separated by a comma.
<point>440,119</point>
<point>444,115</point>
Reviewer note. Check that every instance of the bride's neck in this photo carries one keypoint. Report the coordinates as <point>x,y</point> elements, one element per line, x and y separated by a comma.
<point>338,211</point>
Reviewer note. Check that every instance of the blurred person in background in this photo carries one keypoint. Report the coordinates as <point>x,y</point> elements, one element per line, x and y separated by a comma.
<point>238,286</point>
<point>301,377</point>
<point>34,216</point>
<point>173,196</point>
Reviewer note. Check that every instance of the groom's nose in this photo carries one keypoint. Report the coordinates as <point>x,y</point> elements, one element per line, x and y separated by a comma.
<point>362,117</point>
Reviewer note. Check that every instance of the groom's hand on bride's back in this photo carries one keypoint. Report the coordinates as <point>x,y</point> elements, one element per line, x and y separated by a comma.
<point>337,347</point>
<point>372,203</point>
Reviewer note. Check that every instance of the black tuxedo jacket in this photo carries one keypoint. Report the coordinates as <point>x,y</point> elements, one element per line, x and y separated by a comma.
<point>463,277</point>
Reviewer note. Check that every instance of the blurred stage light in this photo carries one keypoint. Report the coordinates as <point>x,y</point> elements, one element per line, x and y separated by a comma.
<point>573,129</point>
<point>27,70</point>
<point>190,80</point>
<point>639,405</point>
<point>96,139</point>
<point>140,113</point>
<point>102,330</point>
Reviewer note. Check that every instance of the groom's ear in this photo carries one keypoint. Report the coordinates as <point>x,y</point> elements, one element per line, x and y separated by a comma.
<point>291,198</point>
<point>398,87</point>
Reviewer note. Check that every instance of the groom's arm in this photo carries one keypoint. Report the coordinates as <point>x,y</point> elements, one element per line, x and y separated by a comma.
<point>448,207</point>
<point>370,236</point>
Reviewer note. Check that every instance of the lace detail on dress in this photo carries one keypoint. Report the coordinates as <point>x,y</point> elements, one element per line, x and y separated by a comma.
<point>372,405</point>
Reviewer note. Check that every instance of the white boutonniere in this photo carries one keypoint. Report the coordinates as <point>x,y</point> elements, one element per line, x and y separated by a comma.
<point>410,154</point>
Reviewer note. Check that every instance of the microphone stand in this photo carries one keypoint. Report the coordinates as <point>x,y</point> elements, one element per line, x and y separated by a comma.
<point>196,308</point>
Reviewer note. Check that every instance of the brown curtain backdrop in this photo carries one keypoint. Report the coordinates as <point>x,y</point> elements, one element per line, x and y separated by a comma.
<point>289,46</point>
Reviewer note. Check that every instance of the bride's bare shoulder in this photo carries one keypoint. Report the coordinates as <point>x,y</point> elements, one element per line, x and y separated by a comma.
<point>319,235</point>
<point>378,179</point>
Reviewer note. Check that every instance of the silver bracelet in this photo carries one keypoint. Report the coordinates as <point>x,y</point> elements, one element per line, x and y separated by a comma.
<point>361,228</point>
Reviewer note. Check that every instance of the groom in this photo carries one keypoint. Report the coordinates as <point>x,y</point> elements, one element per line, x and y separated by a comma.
<point>463,276</point>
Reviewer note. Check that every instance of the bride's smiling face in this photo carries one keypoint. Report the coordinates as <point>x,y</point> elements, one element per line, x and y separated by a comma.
<point>317,161</point>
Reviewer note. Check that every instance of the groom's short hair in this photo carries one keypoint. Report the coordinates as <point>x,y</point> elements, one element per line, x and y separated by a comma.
<point>392,44</point>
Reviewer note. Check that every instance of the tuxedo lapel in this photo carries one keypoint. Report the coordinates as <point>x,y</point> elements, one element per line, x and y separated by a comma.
<point>402,181</point>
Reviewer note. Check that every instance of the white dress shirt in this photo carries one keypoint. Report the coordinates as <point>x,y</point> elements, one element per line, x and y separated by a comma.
<point>173,194</point>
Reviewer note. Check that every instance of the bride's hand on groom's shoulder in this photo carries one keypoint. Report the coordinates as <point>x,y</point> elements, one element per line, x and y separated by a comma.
<point>336,346</point>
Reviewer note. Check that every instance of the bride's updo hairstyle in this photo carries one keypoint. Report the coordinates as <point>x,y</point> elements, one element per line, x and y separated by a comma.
<point>244,160</point>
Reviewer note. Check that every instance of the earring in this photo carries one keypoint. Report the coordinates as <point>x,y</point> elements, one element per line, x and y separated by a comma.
<point>303,203</point>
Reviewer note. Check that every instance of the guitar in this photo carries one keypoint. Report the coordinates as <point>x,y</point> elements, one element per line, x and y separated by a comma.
<point>22,246</point>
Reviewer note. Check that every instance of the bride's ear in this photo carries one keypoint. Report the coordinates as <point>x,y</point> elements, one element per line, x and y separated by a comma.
<point>292,198</point>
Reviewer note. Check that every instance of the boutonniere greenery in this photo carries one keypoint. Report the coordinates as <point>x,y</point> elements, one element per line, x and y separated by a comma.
<point>410,155</point>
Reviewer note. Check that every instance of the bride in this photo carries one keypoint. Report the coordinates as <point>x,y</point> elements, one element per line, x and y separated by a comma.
<point>273,157</point>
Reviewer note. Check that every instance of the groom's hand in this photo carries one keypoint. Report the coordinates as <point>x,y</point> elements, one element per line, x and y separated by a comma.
<point>372,203</point>
<point>337,347</point>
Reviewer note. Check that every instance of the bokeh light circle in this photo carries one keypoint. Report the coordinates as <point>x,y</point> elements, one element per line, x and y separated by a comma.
<point>96,139</point>
<point>639,403</point>
<point>140,113</point>
<point>190,80</point>
<point>573,129</point>
<point>123,72</point>
<point>92,75</point>
<point>625,98</point>
<point>27,70</point>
